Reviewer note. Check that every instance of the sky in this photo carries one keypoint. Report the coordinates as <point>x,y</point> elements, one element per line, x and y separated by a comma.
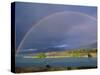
<point>52,25</point>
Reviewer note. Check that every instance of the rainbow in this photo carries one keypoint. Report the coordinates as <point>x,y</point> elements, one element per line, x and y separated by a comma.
<point>49,16</point>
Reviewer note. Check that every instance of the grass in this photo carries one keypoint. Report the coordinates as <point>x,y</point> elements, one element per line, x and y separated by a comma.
<point>68,53</point>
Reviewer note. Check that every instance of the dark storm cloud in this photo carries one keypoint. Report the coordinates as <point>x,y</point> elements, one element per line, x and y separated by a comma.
<point>28,14</point>
<point>70,28</point>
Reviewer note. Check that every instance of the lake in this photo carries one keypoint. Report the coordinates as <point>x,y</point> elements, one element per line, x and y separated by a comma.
<point>56,62</point>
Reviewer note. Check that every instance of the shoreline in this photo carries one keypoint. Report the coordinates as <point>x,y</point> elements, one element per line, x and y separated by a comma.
<point>48,68</point>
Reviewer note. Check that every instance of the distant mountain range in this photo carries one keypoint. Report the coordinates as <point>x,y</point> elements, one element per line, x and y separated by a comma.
<point>93,45</point>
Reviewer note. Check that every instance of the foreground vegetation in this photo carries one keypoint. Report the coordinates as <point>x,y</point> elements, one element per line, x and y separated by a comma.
<point>48,68</point>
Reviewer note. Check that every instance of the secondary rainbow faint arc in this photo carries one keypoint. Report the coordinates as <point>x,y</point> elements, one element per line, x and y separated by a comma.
<point>58,13</point>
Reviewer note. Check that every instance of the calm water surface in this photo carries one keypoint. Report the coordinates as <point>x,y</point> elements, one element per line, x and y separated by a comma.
<point>56,62</point>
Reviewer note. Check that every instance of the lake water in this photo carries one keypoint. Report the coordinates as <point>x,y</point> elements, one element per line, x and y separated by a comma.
<point>56,62</point>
